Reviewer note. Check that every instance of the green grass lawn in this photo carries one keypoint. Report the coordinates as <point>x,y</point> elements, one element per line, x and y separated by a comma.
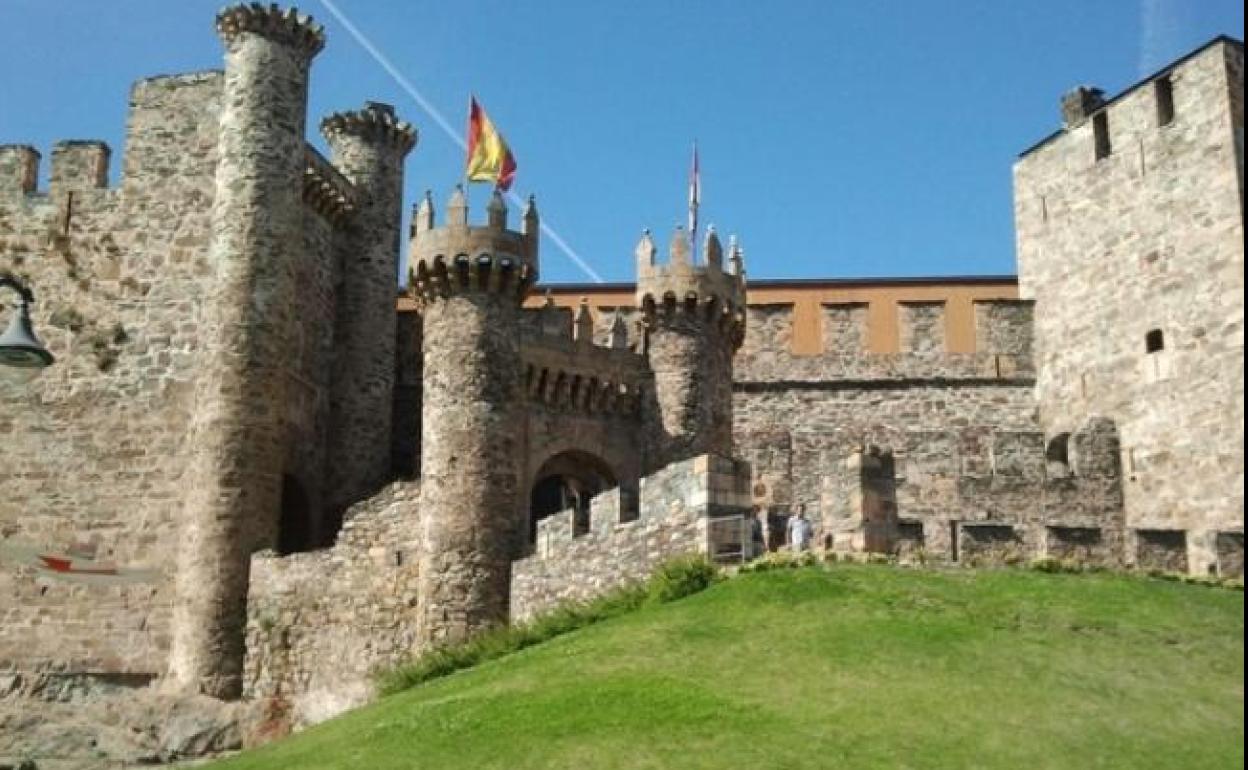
<point>851,666</point>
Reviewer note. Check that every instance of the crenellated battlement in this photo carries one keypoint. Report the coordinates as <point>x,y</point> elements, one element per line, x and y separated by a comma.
<point>287,26</point>
<point>77,165</point>
<point>571,375</point>
<point>704,290</point>
<point>697,506</point>
<point>376,123</point>
<point>459,258</point>
<point>19,168</point>
<point>326,190</point>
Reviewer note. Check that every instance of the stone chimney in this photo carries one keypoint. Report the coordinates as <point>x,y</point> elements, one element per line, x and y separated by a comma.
<point>1079,103</point>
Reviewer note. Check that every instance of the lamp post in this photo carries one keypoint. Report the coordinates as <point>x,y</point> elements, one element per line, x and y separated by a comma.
<point>19,347</point>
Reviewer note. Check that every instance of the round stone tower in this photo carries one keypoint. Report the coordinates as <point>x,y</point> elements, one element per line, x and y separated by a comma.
<point>469,283</point>
<point>695,320</point>
<point>237,442</point>
<point>369,146</point>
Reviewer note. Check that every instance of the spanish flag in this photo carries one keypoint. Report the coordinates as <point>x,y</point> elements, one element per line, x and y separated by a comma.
<point>489,158</point>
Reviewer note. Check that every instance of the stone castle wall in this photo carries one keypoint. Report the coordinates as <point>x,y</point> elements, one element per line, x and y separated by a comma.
<point>319,623</point>
<point>677,507</point>
<point>100,441</point>
<point>1136,263</point>
<point>95,447</point>
<point>203,322</point>
<point>583,397</point>
<point>797,419</point>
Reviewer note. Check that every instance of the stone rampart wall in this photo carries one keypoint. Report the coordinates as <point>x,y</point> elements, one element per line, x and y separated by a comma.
<point>319,623</point>
<point>996,496</point>
<point>95,446</point>
<point>676,504</point>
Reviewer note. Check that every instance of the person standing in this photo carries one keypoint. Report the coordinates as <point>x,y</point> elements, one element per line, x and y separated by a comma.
<point>800,531</point>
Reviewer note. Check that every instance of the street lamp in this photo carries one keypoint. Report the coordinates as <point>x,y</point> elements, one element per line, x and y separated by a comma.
<point>19,347</point>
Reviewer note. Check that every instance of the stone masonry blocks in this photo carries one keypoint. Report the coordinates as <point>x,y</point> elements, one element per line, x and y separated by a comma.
<point>238,440</point>
<point>922,326</point>
<point>369,147</point>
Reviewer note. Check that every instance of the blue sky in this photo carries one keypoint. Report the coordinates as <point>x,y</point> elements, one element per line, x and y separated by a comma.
<point>842,139</point>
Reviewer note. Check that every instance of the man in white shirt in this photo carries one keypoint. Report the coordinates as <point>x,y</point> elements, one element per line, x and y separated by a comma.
<point>800,531</point>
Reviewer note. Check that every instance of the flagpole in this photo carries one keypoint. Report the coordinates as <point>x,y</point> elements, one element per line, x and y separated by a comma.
<point>695,195</point>
<point>471,100</point>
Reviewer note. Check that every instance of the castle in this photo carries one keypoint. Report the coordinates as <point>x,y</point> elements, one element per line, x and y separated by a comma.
<point>326,480</point>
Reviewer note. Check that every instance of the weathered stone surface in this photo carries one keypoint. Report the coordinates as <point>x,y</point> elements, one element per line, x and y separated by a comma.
<point>1148,238</point>
<point>369,146</point>
<point>119,728</point>
<point>234,477</point>
<point>472,417</point>
<point>694,317</point>
<point>1161,549</point>
<point>319,623</point>
<point>676,507</point>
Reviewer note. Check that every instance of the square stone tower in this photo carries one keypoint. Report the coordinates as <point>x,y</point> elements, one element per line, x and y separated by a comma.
<point>1130,231</point>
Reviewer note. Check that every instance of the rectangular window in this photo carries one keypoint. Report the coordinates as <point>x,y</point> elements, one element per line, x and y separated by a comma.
<point>1154,341</point>
<point>1100,133</point>
<point>1163,89</point>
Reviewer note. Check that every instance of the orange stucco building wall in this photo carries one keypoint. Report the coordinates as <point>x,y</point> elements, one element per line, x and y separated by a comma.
<point>806,296</point>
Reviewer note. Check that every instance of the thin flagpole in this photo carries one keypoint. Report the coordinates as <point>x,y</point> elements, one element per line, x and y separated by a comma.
<point>468,150</point>
<point>695,194</point>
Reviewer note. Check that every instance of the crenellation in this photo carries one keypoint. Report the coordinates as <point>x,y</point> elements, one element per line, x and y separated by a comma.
<point>376,124</point>
<point>922,326</point>
<point>287,27</point>
<point>457,257</point>
<point>677,506</point>
<point>79,165</point>
<point>326,190</point>
<point>694,318</point>
<point>19,168</point>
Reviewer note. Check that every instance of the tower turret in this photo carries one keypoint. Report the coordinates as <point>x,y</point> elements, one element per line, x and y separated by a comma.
<point>369,146</point>
<point>469,283</point>
<point>694,317</point>
<point>237,437</point>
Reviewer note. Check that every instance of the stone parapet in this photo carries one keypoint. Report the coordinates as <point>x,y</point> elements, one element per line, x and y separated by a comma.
<point>326,190</point>
<point>676,505</point>
<point>458,258</point>
<point>19,168</point>
<point>308,612</point>
<point>706,292</point>
<point>1000,496</point>
<point>287,27</point>
<point>854,370</point>
<point>376,124</point>
<point>565,373</point>
<point>79,164</point>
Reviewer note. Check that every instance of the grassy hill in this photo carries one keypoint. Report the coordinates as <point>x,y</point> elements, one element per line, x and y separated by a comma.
<point>841,667</point>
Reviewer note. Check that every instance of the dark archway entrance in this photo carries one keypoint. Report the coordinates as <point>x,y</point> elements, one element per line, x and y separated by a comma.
<point>568,480</point>
<point>295,528</point>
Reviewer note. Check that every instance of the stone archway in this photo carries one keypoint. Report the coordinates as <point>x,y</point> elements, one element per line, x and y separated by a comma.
<point>568,480</point>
